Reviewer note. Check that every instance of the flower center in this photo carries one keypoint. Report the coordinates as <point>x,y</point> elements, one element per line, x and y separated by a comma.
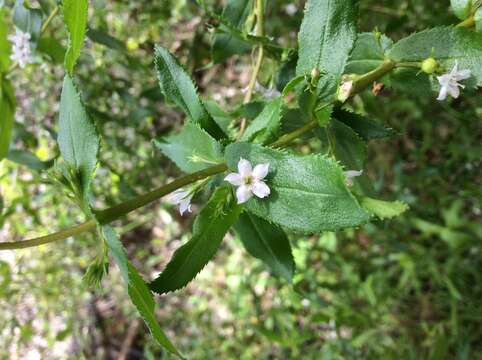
<point>247,180</point>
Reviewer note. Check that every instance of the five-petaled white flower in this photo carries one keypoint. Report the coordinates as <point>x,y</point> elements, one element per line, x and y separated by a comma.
<point>249,181</point>
<point>21,48</point>
<point>449,83</point>
<point>182,198</point>
<point>350,174</point>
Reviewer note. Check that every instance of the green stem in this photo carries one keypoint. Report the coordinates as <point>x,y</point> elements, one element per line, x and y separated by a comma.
<point>469,22</point>
<point>414,64</point>
<point>44,27</point>
<point>259,60</point>
<point>61,235</point>
<point>367,79</point>
<point>287,138</point>
<point>118,211</point>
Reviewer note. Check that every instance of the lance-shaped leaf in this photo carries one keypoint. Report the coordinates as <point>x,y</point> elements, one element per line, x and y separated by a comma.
<point>178,88</point>
<point>192,149</point>
<point>4,43</point>
<point>7,113</point>
<point>75,18</point>
<point>308,193</point>
<point>24,157</point>
<point>383,209</point>
<point>327,35</point>
<point>212,223</point>
<point>365,128</point>
<point>264,128</point>
<point>268,243</point>
<point>225,44</point>
<point>137,289</point>
<point>78,139</point>
<point>446,45</point>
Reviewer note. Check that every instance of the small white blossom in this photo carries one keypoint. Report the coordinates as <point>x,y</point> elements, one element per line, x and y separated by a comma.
<point>182,198</point>
<point>291,9</point>
<point>21,48</point>
<point>249,181</point>
<point>350,174</point>
<point>449,83</point>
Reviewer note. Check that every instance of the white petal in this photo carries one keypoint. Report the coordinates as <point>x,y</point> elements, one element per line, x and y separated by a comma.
<point>353,173</point>
<point>243,193</point>
<point>244,168</point>
<point>455,69</point>
<point>442,95</point>
<point>443,80</point>
<point>454,91</point>
<point>462,75</point>
<point>185,205</point>
<point>260,171</point>
<point>177,196</point>
<point>234,179</point>
<point>260,189</point>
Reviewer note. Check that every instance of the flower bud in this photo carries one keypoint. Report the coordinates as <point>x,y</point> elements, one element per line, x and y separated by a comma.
<point>344,91</point>
<point>429,65</point>
<point>315,73</point>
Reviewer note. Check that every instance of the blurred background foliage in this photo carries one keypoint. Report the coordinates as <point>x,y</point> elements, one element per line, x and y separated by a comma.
<point>407,288</point>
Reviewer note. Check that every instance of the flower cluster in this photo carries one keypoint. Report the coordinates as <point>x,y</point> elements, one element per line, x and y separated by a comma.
<point>21,48</point>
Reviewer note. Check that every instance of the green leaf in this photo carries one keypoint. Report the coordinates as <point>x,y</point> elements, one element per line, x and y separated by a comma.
<point>327,35</point>
<point>212,223</point>
<point>368,53</point>
<point>308,193</point>
<point>446,45</point>
<point>78,139</point>
<point>478,19</point>
<point>75,18</point>
<point>287,71</point>
<point>349,148</point>
<point>137,289</point>
<point>52,48</point>
<point>264,128</point>
<point>225,44</point>
<point>192,149</point>
<point>7,113</point>
<point>221,117</point>
<point>24,157</point>
<point>461,8</point>
<point>101,37</point>
<point>177,87</point>
<point>4,43</point>
<point>383,209</point>
<point>268,243</point>
<point>365,128</point>
<point>28,20</point>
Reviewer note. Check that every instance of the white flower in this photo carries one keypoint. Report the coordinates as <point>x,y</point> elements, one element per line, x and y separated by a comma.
<point>182,198</point>
<point>449,83</point>
<point>21,48</point>
<point>291,9</point>
<point>249,181</point>
<point>350,174</point>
